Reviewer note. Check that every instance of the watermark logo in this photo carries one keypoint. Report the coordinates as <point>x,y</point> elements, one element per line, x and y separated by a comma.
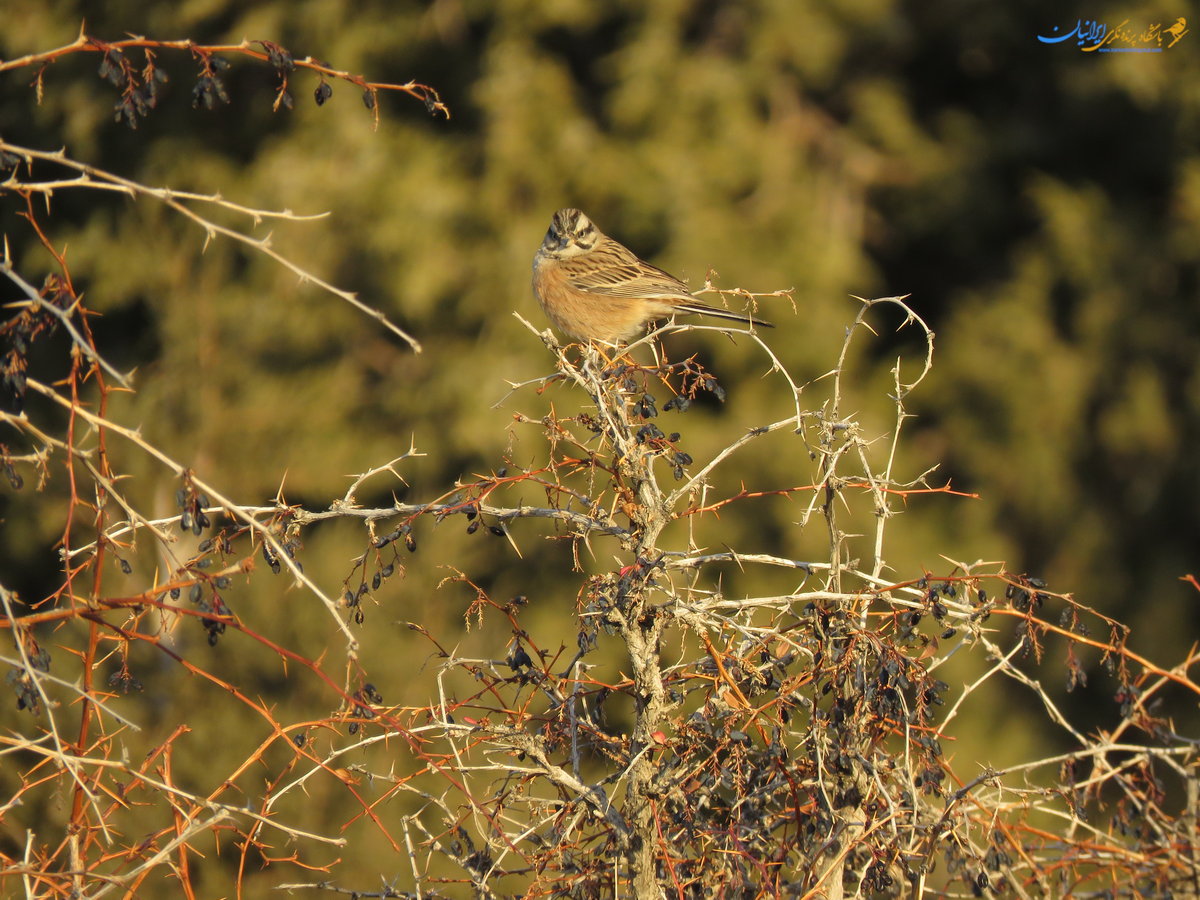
<point>1091,36</point>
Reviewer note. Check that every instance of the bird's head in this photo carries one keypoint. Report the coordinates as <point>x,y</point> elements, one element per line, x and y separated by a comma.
<point>570,234</point>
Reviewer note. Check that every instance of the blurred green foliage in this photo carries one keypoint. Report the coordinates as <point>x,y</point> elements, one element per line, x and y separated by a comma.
<point>1041,205</point>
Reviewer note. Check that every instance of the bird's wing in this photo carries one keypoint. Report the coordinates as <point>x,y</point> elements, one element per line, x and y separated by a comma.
<point>614,271</point>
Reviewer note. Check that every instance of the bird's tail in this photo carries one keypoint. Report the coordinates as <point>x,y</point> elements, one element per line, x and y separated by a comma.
<point>703,309</point>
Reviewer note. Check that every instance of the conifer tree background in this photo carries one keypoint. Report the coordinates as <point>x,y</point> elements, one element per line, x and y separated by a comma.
<point>1040,205</point>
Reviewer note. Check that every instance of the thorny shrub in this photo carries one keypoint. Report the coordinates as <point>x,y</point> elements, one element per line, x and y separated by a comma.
<point>785,744</point>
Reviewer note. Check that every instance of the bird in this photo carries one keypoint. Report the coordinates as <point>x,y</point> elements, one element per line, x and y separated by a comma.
<point>596,289</point>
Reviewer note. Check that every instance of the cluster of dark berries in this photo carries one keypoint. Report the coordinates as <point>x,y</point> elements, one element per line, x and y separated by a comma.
<point>278,56</point>
<point>367,694</point>
<point>283,62</point>
<point>14,477</point>
<point>209,87</point>
<point>404,531</point>
<point>1026,593</point>
<point>221,540</point>
<point>934,595</point>
<point>473,520</point>
<point>122,681</point>
<point>138,101</point>
<point>213,605</point>
<point>192,502</point>
<point>272,559</point>
<point>678,402</point>
<point>17,335</point>
<point>22,682</point>
<point>1127,696</point>
<point>378,578</point>
<point>13,378</point>
<point>353,598</point>
<point>652,434</point>
<point>679,459</point>
<point>430,99</point>
<point>649,432</point>
<point>518,660</point>
<point>695,380</point>
<point>139,90</point>
<point>23,686</point>
<point>116,69</point>
<point>710,384</point>
<point>646,407</point>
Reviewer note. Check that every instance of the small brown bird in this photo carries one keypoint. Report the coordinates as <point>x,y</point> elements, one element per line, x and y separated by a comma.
<point>597,289</point>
